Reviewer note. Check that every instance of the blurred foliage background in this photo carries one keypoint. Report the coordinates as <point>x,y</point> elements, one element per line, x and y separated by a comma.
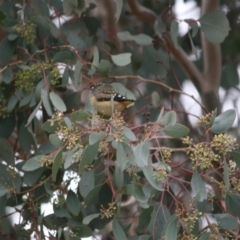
<point>135,176</point>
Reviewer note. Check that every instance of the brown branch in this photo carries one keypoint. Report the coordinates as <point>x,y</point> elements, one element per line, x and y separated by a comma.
<point>211,59</point>
<point>206,86</point>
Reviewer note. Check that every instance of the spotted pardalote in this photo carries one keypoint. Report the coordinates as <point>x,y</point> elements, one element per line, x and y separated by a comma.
<point>105,99</point>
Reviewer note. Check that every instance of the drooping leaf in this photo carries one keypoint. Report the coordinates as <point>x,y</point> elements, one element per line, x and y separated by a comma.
<point>149,173</point>
<point>57,102</point>
<point>73,203</point>
<point>89,218</point>
<point>128,133</point>
<point>174,32</point>
<point>198,187</point>
<point>87,183</point>
<point>172,228</point>
<point>215,26</point>
<point>233,203</point>
<point>118,232</point>
<point>226,174</point>
<point>224,121</point>
<point>6,151</point>
<point>95,61</point>
<point>33,114</point>
<point>124,155</point>
<point>56,165</point>
<point>155,99</point>
<point>141,152</point>
<point>89,154</point>
<point>46,102</point>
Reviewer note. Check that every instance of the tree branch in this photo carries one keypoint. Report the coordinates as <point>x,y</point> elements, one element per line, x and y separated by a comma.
<point>211,59</point>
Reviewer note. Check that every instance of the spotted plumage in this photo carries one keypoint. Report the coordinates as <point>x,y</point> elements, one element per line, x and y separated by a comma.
<point>101,96</point>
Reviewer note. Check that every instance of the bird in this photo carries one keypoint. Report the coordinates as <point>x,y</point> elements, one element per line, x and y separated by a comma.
<point>106,100</point>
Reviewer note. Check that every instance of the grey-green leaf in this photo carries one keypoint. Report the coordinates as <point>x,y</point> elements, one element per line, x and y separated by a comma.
<point>118,232</point>
<point>57,102</point>
<point>176,131</point>
<point>224,121</point>
<point>215,26</point>
<point>122,59</point>
<point>33,163</point>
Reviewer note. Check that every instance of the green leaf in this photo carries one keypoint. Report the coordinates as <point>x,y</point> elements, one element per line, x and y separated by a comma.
<point>145,218</point>
<point>215,26</point>
<point>176,131</point>
<point>6,152</point>
<point>233,203</point>
<point>226,221</point>
<point>40,8</point>
<point>141,39</point>
<point>7,49</point>
<point>68,7</point>
<point>41,22</point>
<point>26,139</point>
<point>93,196</point>
<point>80,115</point>
<point>33,163</point>
<point>104,67</point>
<point>95,61</point>
<point>137,192</point>
<point>174,32</point>
<point>194,50</point>
<point>224,121</point>
<point>118,177</point>
<point>56,165</point>
<point>55,140</point>
<point>33,114</point>
<point>149,173</point>
<point>96,137</point>
<point>141,153</point>
<point>89,218</point>
<point>198,187</point>
<point>155,99</point>
<point>73,203</point>
<point>122,59</point>
<point>7,75</point>
<point>204,236</point>
<point>64,56</point>
<point>194,26</point>
<point>159,217</point>
<point>128,133</point>
<point>89,154</point>
<point>7,126</point>
<point>230,76</point>
<point>57,102</point>
<point>46,102</point>
<point>87,183</point>
<point>172,228</point>
<point>236,157</point>
<point>169,118</point>
<point>124,155</point>
<point>77,74</point>
<point>12,102</point>
<point>118,232</point>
